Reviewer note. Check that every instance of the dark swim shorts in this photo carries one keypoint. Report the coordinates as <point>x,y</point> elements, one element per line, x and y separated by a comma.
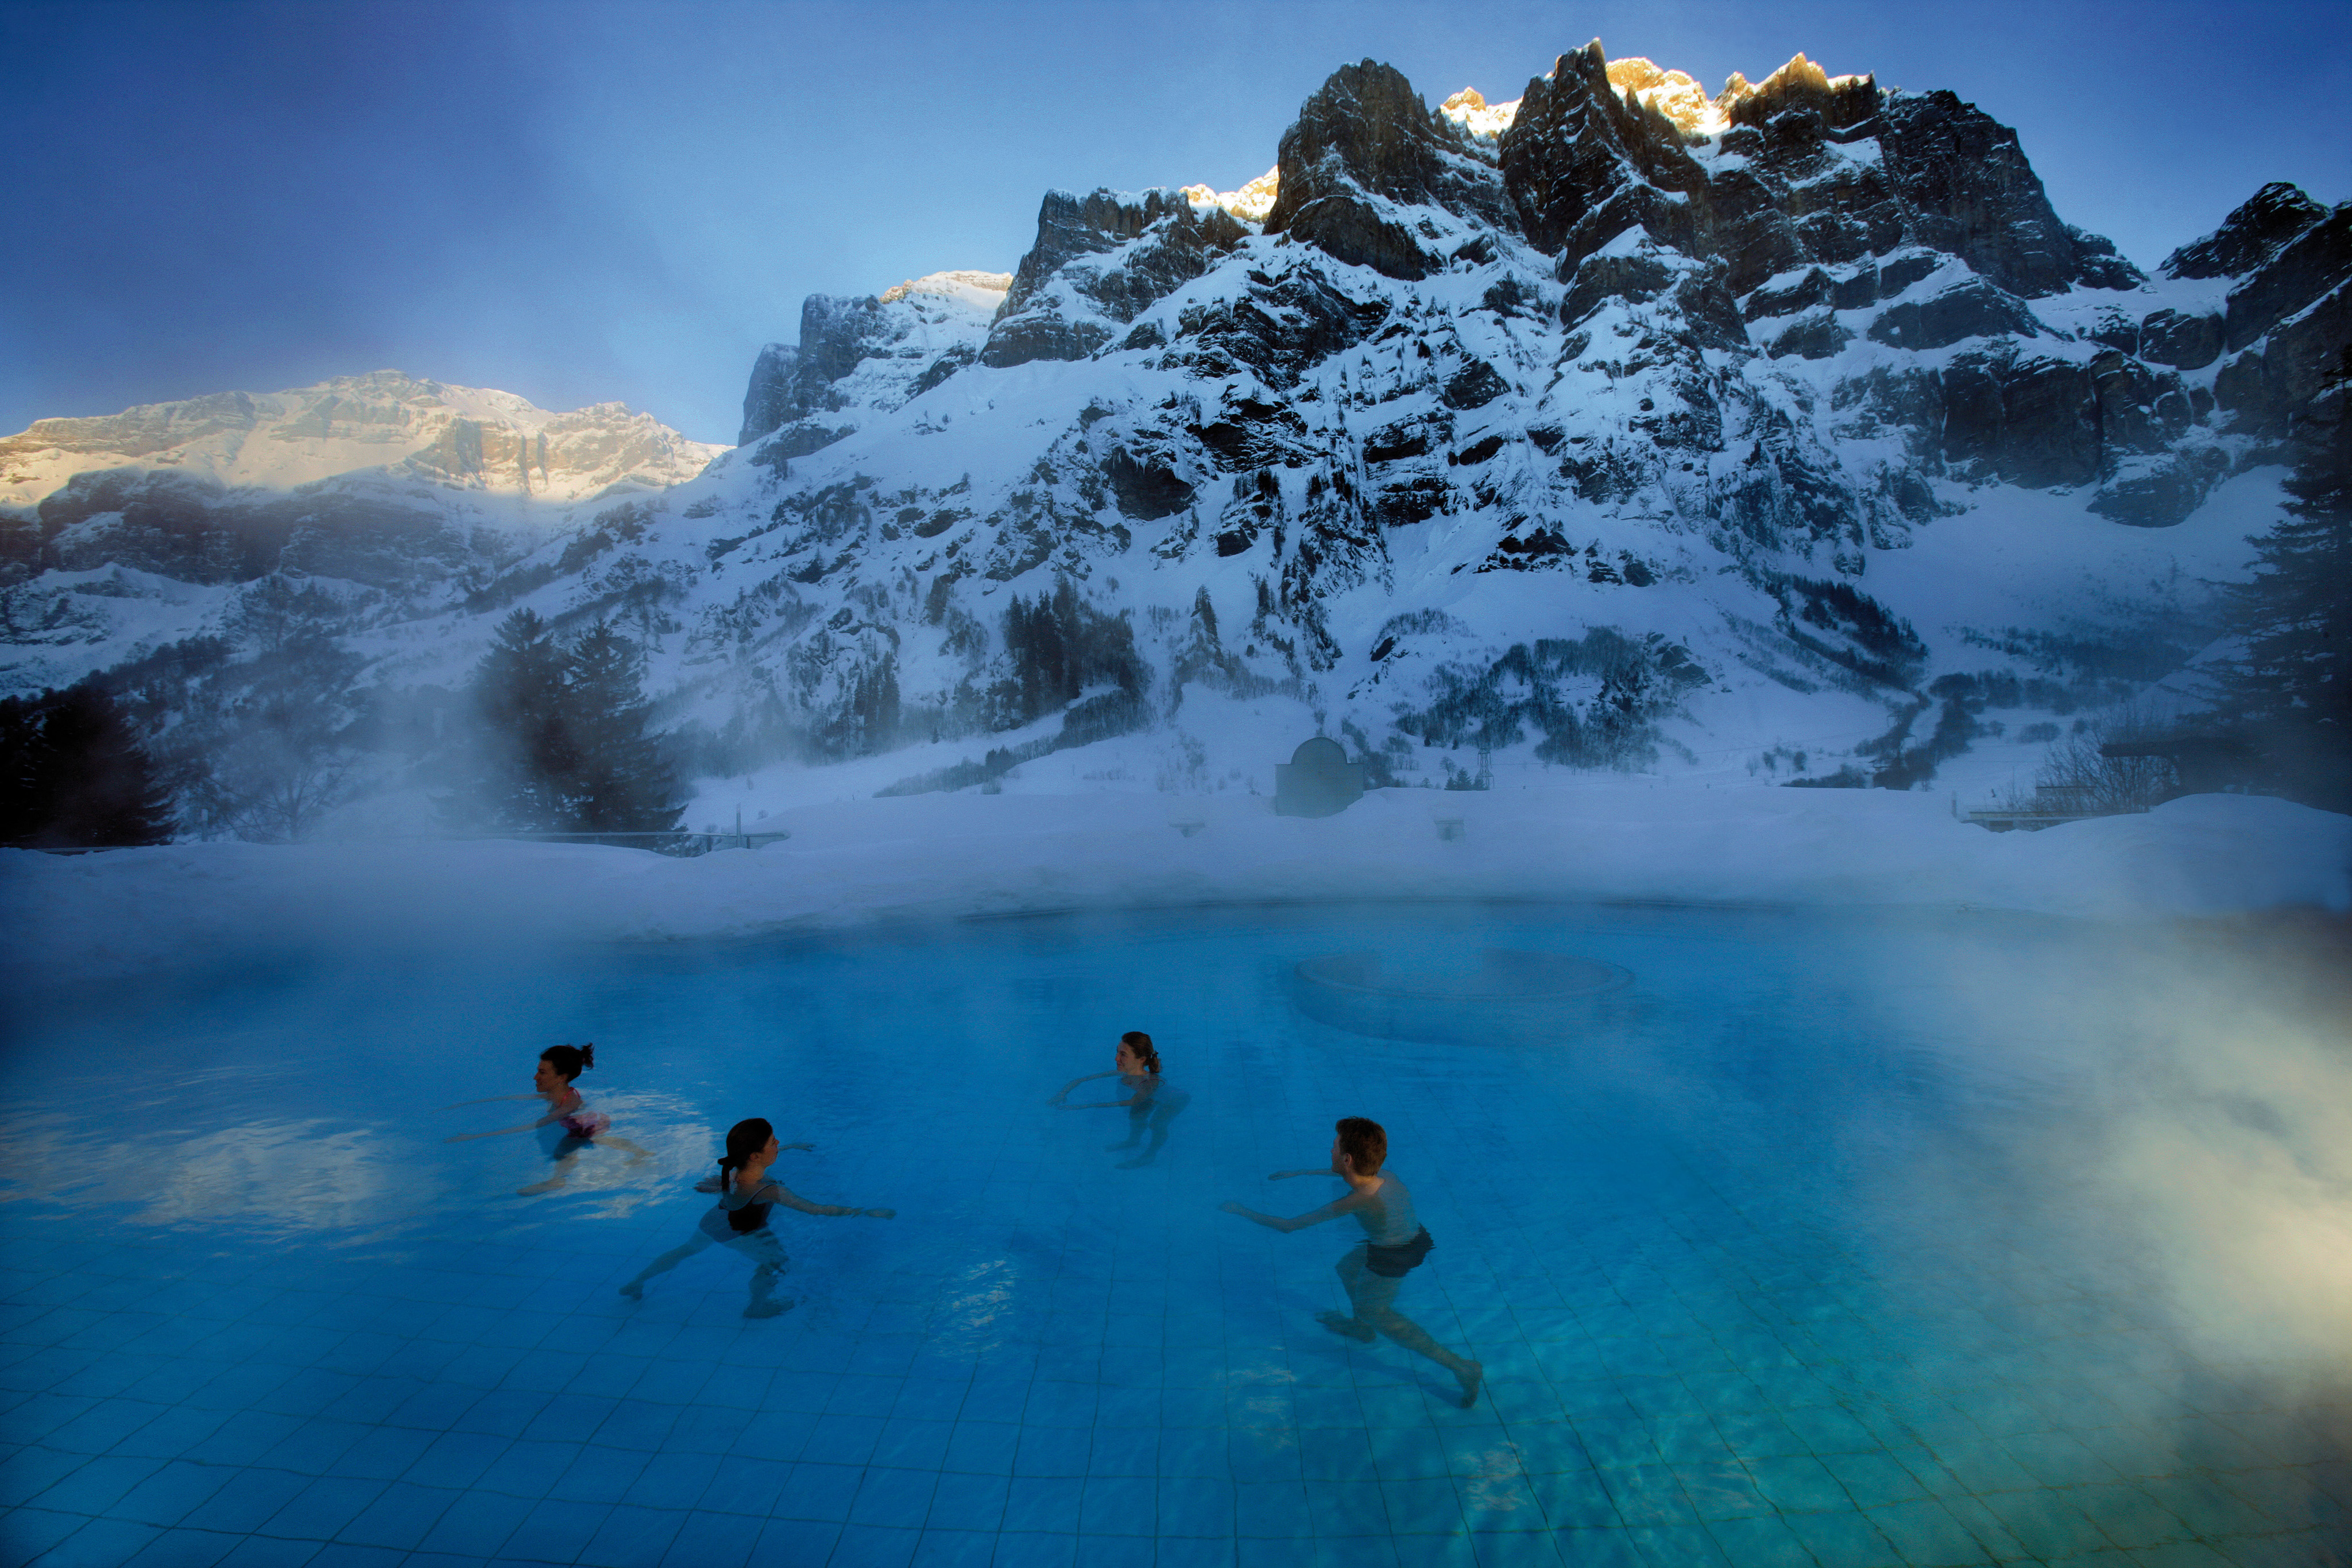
<point>1395,1262</point>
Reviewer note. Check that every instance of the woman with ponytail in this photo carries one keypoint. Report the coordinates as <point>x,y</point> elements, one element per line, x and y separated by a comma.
<point>746,1193</point>
<point>570,1124</point>
<point>1150,1104</point>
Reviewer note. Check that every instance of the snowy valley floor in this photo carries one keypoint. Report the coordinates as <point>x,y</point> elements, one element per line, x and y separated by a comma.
<point>849,863</point>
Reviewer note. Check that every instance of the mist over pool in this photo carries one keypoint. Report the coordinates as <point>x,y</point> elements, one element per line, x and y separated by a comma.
<point>1861,1236</point>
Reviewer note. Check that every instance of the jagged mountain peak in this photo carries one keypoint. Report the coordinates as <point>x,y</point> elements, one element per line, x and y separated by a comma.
<point>1478,118</point>
<point>1249,204</point>
<point>985,289</point>
<point>468,438</point>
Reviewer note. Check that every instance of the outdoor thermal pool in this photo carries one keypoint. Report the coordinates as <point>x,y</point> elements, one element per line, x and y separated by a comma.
<point>1852,1239</point>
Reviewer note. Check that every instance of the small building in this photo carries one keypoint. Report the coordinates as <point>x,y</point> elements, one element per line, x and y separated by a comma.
<point>1318,781</point>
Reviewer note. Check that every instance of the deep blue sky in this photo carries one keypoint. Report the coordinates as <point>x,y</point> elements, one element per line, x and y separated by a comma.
<point>580,203</point>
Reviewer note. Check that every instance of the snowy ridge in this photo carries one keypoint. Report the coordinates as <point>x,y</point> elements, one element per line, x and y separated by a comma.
<point>859,863</point>
<point>1784,434</point>
<point>466,438</point>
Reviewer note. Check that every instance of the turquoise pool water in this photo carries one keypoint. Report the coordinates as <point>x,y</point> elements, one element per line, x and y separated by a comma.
<point>1801,1249</point>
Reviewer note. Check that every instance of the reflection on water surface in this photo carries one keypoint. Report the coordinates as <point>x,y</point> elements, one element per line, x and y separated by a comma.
<point>1835,1239</point>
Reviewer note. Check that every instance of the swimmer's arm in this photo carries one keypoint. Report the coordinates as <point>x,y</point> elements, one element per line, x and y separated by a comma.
<point>1141,1097</point>
<point>493,1100</point>
<point>791,1199</point>
<point>1074,1082</point>
<point>1309,1170</point>
<point>502,1132</point>
<point>1331,1210</point>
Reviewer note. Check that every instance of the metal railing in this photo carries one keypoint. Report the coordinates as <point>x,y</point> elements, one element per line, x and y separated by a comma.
<point>682,845</point>
<point>679,844</point>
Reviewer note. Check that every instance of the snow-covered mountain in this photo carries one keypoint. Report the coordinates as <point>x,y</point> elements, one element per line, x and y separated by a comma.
<point>123,532</point>
<point>1613,425</point>
<point>461,438</point>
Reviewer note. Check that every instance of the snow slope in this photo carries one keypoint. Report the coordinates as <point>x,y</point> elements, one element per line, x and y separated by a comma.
<point>855,862</point>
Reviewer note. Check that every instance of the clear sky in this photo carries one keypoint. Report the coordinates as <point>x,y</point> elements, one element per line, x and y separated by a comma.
<point>583,203</point>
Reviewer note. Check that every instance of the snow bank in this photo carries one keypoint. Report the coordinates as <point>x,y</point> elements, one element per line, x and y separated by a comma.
<point>944,856</point>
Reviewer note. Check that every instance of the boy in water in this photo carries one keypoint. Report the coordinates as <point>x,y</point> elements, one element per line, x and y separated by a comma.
<point>1394,1245</point>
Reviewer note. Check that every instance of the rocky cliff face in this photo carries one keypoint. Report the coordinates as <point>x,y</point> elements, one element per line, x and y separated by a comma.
<point>120,531</point>
<point>1617,425</point>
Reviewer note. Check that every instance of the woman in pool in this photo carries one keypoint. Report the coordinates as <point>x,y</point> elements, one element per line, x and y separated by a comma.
<point>1150,1103</point>
<point>570,1124</point>
<point>745,1195</point>
<point>1394,1245</point>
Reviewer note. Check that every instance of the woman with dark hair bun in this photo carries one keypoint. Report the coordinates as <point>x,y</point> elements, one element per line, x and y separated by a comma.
<point>570,1124</point>
<point>1150,1103</point>
<point>746,1193</point>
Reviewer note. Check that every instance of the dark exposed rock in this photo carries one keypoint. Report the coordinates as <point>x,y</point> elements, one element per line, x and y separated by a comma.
<point>1041,335</point>
<point>1144,488</point>
<point>1363,144</point>
<point>1251,433</point>
<point>1970,191</point>
<point>2184,342</point>
<point>799,439</point>
<point>1275,329</point>
<point>2162,491</point>
<point>1163,242</point>
<point>2263,388</point>
<point>1410,438</point>
<point>1973,308</point>
<point>1581,167</point>
<point>1648,273</point>
<point>2311,264</point>
<point>1813,288</point>
<point>787,384</point>
<point>1583,164</point>
<point>2249,237</point>
<point>2030,420</point>
<point>1817,336</point>
<point>766,401</point>
<point>198,530</point>
<point>2140,410</point>
<point>1475,385</point>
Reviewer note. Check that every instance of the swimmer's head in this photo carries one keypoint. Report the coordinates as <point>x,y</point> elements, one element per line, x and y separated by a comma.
<point>1364,1142</point>
<point>1137,1044</point>
<point>566,1062</point>
<point>745,1138</point>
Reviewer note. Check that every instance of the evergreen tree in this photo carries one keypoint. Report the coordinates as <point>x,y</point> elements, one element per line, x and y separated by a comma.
<point>519,694</point>
<point>73,775</point>
<point>2290,693</point>
<point>565,747</point>
<point>619,780</point>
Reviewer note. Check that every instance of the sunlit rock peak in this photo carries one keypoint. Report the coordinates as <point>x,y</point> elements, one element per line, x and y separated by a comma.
<point>467,438</point>
<point>1800,75</point>
<point>1486,122</point>
<point>1250,204</point>
<point>1674,94</point>
<point>983,288</point>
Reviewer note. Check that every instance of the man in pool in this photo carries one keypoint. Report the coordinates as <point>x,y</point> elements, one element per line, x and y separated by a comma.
<point>1394,1245</point>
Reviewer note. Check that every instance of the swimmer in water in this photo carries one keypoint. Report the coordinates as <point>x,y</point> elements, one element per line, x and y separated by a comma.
<point>745,1195</point>
<point>570,1124</point>
<point>1150,1103</point>
<point>1394,1245</point>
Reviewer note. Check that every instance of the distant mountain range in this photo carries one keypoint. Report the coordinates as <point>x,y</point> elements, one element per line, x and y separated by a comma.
<point>1616,425</point>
